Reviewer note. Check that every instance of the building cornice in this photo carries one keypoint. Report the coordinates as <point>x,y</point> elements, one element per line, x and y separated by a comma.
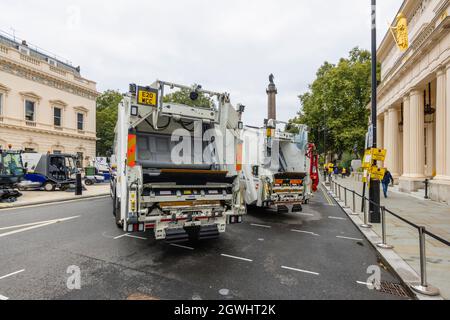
<point>429,34</point>
<point>26,72</point>
<point>54,133</point>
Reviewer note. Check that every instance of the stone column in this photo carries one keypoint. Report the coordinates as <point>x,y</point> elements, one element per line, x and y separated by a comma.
<point>387,162</point>
<point>393,143</point>
<point>447,123</point>
<point>440,125</point>
<point>406,137</point>
<point>272,100</point>
<point>380,136</point>
<point>417,142</point>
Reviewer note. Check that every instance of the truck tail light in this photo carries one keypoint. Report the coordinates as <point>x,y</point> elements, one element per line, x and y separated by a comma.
<point>131,153</point>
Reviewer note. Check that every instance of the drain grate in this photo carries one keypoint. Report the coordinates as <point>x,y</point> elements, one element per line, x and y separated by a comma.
<point>395,289</point>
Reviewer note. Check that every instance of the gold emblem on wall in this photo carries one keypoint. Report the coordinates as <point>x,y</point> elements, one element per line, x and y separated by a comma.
<point>400,32</point>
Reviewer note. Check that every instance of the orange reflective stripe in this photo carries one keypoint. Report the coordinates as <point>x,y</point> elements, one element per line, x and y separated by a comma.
<point>131,154</point>
<point>239,157</point>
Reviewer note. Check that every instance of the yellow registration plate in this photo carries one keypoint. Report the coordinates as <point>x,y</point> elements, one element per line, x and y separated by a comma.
<point>147,97</point>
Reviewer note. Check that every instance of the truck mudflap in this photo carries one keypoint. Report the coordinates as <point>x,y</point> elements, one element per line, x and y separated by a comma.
<point>208,232</point>
<point>176,235</point>
<point>179,235</point>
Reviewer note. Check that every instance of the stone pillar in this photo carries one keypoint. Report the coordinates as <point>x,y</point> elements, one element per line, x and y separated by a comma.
<point>387,162</point>
<point>393,143</point>
<point>417,142</point>
<point>441,125</point>
<point>406,137</point>
<point>272,100</point>
<point>447,123</point>
<point>380,136</point>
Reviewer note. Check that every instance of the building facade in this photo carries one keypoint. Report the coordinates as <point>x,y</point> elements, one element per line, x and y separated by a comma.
<point>45,104</point>
<point>413,116</point>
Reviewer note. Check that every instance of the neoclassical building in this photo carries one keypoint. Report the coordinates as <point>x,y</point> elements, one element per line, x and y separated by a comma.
<point>45,104</point>
<point>414,100</point>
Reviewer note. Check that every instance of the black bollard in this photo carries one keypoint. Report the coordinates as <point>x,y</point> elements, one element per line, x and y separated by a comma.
<point>79,186</point>
<point>427,183</point>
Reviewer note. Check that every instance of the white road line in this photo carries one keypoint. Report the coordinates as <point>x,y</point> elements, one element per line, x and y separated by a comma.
<point>337,218</point>
<point>307,232</point>
<point>4,209</point>
<point>340,237</point>
<point>28,224</point>
<point>3,297</point>
<point>260,226</point>
<point>238,258</point>
<point>306,214</point>
<point>300,270</point>
<point>135,237</point>
<point>182,247</point>
<point>11,274</point>
<point>364,283</point>
<point>43,224</point>
<point>121,236</point>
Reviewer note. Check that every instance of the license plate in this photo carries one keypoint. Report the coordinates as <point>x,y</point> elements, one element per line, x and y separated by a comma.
<point>147,97</point>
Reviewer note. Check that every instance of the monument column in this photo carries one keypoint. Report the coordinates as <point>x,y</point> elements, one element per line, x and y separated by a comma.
<point>447,123</point>
<point>272,99</point>
<point>417,142</point>
<point>393,143</point>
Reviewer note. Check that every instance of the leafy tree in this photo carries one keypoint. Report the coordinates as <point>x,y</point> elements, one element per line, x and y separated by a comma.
<point>107,106</point>
<point>335,106</point>
<point>183,97</point>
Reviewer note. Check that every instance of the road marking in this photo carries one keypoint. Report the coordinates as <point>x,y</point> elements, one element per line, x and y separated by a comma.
<point>260,226</point>
<point>336,218</point>
<point>364,283</point>
<point>234,257</point>
<point>3,209</point>
<point>39,225</point>
<point>307,232</point>
<point>326,196</point>
<point>121,236</point>
<point>135,237</point>
<point>182,247</point>
<point>340,237</point>
<point>11,274</point>
<point>3,297</point>
<point>306,214</point>
<point>300,270</point>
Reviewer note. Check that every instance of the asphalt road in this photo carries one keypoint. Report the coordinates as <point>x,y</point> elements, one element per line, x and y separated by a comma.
<point>318,254</point>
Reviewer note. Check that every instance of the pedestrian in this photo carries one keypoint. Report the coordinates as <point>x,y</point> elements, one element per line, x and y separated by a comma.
<point>344,173</point>
<point>387,179</point>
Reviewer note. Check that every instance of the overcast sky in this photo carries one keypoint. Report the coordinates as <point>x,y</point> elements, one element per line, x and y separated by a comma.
<point>230,45</point>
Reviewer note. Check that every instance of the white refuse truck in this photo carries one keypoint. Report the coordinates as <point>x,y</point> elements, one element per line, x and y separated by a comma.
<point>175,173</point>
<point>276,168</point>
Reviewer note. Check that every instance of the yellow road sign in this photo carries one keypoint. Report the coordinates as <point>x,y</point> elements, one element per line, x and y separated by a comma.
<point>147,97</point>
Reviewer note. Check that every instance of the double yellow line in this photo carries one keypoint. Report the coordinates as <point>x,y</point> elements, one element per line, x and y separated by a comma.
<point>327,197</point>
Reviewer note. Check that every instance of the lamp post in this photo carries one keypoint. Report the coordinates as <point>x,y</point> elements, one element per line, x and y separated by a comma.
<point>374,192</point>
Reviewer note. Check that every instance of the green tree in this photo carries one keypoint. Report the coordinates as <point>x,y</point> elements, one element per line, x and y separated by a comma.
<point>107,106</point>
<point>335,106</point>
<point>183,97</point>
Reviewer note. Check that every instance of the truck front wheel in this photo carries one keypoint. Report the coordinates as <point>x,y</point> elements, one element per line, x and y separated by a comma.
<point>48,186</point>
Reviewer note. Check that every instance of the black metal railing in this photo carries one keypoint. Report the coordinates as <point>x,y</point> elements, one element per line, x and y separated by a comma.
<point>423,287</point>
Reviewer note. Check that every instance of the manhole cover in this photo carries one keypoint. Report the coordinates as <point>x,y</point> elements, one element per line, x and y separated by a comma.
<point>141,296</point>
<point>395,289</point>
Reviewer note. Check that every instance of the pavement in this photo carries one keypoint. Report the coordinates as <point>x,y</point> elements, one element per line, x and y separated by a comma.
<point>434,216</point>
<point>316,255</point>
<point>41,197</point>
